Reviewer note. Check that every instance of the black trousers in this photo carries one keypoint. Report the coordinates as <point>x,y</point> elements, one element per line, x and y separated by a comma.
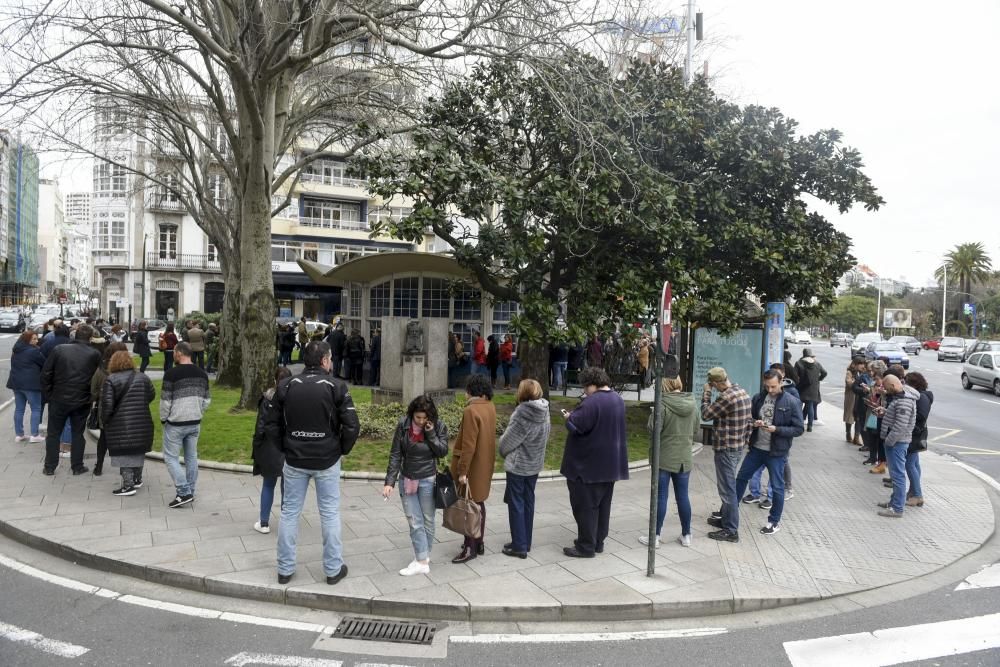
<point>591,504</point>
<point>373,372</point>
<point>58,414</point>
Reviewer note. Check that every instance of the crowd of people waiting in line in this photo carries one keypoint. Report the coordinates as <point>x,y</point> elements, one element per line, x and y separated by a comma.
<point>307,422</point>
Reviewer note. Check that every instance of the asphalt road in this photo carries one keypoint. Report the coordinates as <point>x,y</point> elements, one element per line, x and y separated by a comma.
<point>43,623</point>
<point>963,423</point>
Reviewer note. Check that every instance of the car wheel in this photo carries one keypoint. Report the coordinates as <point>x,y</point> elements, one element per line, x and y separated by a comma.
<point>939,357</point>
<point>917,352</point>
<point>965,382</point>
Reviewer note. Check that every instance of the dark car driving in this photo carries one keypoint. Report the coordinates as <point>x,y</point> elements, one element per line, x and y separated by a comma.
<point>910,344</point>
<point>11,320</point>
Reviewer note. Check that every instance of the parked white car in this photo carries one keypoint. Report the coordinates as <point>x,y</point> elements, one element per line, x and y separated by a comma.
<point>982,370</point>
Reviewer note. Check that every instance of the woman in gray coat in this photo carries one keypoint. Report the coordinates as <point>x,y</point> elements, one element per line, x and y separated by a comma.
<point>523,448</point>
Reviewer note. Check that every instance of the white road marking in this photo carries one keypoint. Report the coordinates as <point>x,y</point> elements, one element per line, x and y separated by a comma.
<point>989,401</point>
<point>988,577</point>
<point>6,336</point>
<point>594,637</point>
<point>186,610</point>
<point>893,646</point>
<point>244,659</point>
<point>35,640</point>
<point>954,431</point>
<point>7,402</point>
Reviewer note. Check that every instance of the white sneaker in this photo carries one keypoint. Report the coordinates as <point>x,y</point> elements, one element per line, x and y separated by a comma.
<point>684,540</point>
<point>789,494</point>
<point>36,438</point>
<point>64,455</point>
<point>415,568</point>
<point>20,438</point>
<point>644,541</point>
<point>261,528</point>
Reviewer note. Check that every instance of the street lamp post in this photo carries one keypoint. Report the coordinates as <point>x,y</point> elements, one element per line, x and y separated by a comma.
<point>944,298</point>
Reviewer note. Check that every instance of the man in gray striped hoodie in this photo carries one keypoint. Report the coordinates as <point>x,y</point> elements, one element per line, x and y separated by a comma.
<point>897,431</point>
<point>183,401</point>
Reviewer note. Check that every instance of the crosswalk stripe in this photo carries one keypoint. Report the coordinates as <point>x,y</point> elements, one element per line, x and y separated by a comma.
<point>988,577</point>
<point>244,659</point>
<point>35,640</point>
<point>893,646</point>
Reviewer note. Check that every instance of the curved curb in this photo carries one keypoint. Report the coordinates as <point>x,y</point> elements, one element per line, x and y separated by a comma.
<point>315,595</point>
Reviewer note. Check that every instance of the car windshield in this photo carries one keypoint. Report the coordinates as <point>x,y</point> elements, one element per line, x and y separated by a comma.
<point>887,347</point>
<point>953,341</point>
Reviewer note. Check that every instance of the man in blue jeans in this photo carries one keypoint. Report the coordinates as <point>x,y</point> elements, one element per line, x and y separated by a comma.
<point>319,425</point>
<point>730,414</point>
<point>183,401</point>
<point>777,419</point>
<point>897,432</point>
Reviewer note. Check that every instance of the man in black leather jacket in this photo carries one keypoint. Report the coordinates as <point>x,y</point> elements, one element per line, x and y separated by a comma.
<point>66,378</point>
<point>318,426</point>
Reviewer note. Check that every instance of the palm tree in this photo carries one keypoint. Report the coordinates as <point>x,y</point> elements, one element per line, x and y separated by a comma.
<point>967,264</point>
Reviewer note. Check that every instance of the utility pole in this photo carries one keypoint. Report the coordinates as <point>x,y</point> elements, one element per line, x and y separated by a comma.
<point>878,307</point>
<point>695,32</point>
<point>944,298</point>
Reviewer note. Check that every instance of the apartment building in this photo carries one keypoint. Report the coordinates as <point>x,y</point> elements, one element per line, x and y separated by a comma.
<point>18,220</point>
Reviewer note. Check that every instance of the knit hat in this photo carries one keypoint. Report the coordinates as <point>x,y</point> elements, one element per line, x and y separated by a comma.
<point>807,352</point>
<point>717,374</point>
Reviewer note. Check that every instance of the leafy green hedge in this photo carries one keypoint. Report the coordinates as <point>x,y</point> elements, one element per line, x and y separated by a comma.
<point>378,422</point>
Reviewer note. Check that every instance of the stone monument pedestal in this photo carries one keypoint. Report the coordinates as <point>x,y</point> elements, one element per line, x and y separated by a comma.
<point>413,377</point>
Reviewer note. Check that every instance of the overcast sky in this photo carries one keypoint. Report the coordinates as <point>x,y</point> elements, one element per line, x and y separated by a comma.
<point>911,84</point>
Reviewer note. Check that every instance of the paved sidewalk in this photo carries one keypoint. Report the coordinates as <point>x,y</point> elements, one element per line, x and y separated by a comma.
<point>831,542</point>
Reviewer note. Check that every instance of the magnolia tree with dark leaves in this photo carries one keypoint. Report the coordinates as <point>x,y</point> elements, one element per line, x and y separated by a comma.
<point>577,192</point>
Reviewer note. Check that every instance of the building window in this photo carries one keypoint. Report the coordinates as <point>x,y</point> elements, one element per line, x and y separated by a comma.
<point>330,171</point>
<point>109,179</point>
<point>354,304</point>
<point>436,298</point>
<point>385,214</point>
<point>378,300</point>
<point>109,231</point>
<point>404,297</point>
<point>217,192</point>
<point>329,214</point>
<point>168,242</point>
<point>213,254</point>
<point>468,304</point>
<point>503,312</point>
<point>310,251</point>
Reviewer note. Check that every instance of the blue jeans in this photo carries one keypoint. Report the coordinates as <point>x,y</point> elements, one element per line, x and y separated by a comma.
<point>680,480</point>
<point>913,474</point>
<point>66,435</point>
<point>754,461</point>
<point>327,499</point>
<point>175,439</point>
<point>419,510</point>
<point>559,373</point>
<point>755,481</point>
<point>726,462</point>
<point>520,499</point>
<point>809,412</point>
<point>23,398</point>
<point>895,457</point>
<point>267,498</point>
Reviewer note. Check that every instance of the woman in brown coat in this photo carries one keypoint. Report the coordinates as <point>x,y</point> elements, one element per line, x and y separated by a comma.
<point>849,405</point>
<point>474,454</point>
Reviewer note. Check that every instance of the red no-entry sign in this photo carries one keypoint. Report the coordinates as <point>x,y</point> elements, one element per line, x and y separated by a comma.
<point>665,320</point>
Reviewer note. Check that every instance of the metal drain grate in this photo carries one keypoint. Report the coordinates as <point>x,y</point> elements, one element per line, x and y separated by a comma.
<point>383,630</point>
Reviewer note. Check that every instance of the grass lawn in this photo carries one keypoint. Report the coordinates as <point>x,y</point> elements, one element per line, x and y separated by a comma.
<point>226,435</point>
<point>155,361</point>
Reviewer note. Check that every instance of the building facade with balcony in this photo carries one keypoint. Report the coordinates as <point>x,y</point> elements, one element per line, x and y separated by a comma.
<point>151,260</point>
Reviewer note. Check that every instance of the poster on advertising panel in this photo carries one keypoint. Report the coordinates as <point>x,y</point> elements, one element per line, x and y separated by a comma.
<point>897,318</point>
<point>775,334</point>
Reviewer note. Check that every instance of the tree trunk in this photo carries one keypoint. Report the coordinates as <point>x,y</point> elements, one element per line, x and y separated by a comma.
<point>534,358</point>
<point>256,298</point>
<point>230,361</point>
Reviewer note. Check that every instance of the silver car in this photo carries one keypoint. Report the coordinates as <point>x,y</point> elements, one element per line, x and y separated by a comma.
<point>982,370</point>
<point>908,343</point>
<point>861,342</point>
<point>951,347</point>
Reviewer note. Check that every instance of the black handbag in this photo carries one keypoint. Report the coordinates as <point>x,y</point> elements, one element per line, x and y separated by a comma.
<point>445,494</point>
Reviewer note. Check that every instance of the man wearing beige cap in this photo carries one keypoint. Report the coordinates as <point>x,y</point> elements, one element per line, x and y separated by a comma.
<point>732,420</point>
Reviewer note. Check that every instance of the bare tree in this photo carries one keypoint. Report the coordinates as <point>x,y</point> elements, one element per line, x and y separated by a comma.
<point>235,86</point>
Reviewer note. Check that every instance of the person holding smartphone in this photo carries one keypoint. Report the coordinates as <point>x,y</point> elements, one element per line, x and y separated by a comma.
<point>419,441</point>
